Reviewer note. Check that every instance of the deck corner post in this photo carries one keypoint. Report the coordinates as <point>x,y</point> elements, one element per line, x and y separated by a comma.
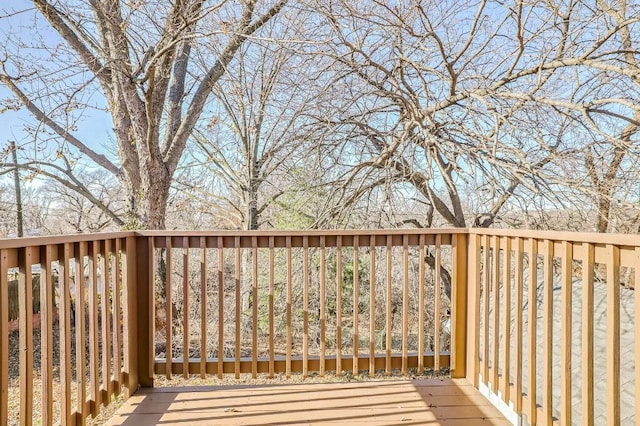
<point>130,318</point>
<point>144,309</point>
<point>138,306</point>
<point>459,263</point>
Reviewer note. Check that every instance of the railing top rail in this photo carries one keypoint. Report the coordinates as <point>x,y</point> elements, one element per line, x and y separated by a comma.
<point>297,233</point>
<point>576,237</point>
<point>12,243</point>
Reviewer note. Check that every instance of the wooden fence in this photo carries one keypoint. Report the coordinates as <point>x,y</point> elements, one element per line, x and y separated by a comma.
<point>14,302</point>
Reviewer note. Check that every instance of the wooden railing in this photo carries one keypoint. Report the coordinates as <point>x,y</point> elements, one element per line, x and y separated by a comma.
<point>83,316</point>
<point>269,302</point>
<point>545,324</point>
<point>129,306</point>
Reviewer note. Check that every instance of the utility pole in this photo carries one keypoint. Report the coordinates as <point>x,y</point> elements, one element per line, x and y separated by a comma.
<point>16,181</point>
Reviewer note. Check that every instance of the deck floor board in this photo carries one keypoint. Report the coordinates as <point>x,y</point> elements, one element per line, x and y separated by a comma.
<point>401,402</point>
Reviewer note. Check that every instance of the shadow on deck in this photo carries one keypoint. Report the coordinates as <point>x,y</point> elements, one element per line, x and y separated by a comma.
<point>401,402</point>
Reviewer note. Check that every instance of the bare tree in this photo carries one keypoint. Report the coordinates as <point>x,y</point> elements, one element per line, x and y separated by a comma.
<point>463,105</point>
<point>621,145</point>
<point>253,137</point>
<point>36,205</point>
<point>256,145</point>
<point>139,57</point>
<point>74,212</point>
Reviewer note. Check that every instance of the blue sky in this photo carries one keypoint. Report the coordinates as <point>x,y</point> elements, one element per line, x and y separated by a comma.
<point>95,127</point>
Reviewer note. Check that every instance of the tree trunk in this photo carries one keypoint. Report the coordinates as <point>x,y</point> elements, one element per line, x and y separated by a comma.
<point>252,209</point>
<point>149,200</point>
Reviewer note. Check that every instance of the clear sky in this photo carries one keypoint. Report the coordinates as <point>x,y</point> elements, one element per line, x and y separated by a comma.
<point>95,127</point>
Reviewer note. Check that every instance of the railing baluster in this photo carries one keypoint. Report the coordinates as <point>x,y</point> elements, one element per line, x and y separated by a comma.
<point>221,317</point>
<point>323,293</point>
<point>254,306</point>
<point>532,311</point>
<point>93,329</point>
<point>565,361</point>
<point>203,307</point>
<point>117,307</point>
<point>110,267</point>
<point>613,334</point>
<point>496,313</point>
<point>437,300</point>
<point>65,338</point>
<point>168,306</point>
<point>389,330</point>
<point>106,327</point>
<point>339,306</point>
<point>4,339</point>
<point>288,313</point>
<point>272,274</point>
<point>473,318</point>
<point>305,307</point>
<point>46,334</point>
<point>506,330</point>
<point>238,307</point>
<point>128,322</point>
<point>588,256</point>
<point>80,331</point>
<point>519,284</point>
<point>547,337</point>
<point>185,307</point>
<point>356,301</point>
<point>459,291</point>
<point>146,310</point>
<point>25,297</point>
<point>421,284</point>
<point>636,280</point>
<point>486,290</point>
<point>372,306</point>
<point>405,303</point>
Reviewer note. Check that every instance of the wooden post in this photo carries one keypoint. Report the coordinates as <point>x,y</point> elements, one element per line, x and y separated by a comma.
<point>46,348</point>
<point>473,309</point>
<point>131,318</point>
<point>25,295</point>
<point>94,363</point>
<point>65,336</point>
<point>144,304</point>
<point>4,338</point>
<point>459,314</point>
<point>139,304</point>
<point>613,334</point>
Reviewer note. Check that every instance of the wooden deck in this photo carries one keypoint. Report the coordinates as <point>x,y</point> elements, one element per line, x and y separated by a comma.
<point>401,402</point>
